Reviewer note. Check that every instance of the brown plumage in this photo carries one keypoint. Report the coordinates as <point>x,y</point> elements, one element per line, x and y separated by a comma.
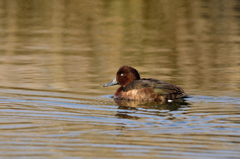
<point>134,88</point>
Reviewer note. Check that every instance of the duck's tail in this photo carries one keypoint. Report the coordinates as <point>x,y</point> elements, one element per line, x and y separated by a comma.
<point>186,96</point>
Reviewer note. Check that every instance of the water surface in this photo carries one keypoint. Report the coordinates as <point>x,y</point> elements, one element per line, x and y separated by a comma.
<point>56,56</point>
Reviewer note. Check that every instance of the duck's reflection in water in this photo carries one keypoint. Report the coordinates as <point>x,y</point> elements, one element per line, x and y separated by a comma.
<point>130,105</point>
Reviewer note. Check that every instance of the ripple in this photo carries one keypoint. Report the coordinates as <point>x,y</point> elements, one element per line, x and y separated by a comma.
<point>69,121</point>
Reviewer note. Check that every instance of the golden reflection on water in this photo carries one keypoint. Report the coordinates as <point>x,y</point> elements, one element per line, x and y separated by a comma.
<point>189,43</point>
<point>56,55</point>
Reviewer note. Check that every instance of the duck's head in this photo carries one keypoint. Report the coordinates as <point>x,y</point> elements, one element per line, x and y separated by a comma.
<point>125,75</point>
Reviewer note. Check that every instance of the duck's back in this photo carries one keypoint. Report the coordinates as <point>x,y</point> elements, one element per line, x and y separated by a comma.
<point>151,89</point>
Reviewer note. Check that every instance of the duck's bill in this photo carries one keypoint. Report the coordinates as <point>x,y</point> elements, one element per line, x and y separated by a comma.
<point>113,82</point>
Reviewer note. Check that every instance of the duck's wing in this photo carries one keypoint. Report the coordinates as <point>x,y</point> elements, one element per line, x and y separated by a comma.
<point>169,89</point>
<point>160,87</point>
<point>137,84</point>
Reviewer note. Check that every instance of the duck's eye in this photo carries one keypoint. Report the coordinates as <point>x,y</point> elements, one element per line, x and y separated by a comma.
<point>121,74</point>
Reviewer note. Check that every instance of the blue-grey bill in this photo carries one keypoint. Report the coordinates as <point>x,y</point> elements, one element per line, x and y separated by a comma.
<point>113,82</point>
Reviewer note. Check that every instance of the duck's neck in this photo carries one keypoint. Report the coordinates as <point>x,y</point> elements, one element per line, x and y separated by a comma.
<point>117,91</point>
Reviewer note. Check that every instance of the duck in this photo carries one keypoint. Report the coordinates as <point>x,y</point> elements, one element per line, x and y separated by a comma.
<point>132,87</point>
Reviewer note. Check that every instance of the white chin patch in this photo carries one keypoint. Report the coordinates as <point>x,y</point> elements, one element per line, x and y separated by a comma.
<point>169,100</point>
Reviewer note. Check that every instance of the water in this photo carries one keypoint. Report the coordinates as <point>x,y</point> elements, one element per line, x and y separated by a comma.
<point>56,56</point>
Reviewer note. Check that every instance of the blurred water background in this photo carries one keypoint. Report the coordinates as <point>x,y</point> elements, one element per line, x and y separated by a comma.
<point>56,55</point>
